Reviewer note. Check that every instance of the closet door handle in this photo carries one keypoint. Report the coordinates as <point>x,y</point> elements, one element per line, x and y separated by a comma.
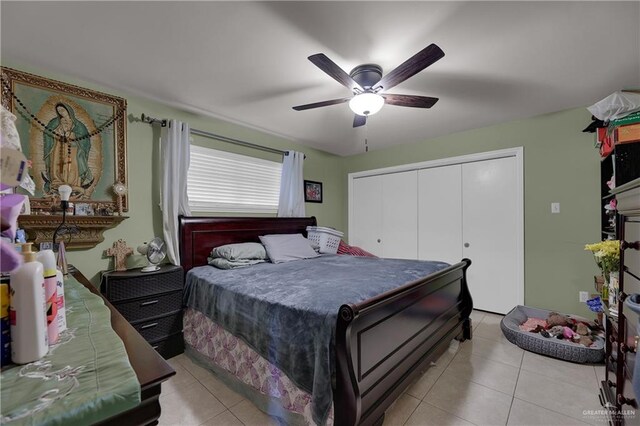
<point>379,240</point>
<point>467,245</point>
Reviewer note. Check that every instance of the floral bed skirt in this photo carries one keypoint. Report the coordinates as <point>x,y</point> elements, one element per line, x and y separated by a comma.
<point>259,380</point>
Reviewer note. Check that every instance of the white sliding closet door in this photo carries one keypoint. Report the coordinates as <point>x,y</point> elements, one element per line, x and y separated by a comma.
<point>490,232</point>
<point>400,215</point>
<point>385,215</point>
<point>440,214</point>
<point>366,226</point>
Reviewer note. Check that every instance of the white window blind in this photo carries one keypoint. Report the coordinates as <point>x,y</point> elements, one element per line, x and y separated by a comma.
<point>220,181</point>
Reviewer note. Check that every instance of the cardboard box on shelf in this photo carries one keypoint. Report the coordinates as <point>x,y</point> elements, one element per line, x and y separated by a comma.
<point>627,134</point>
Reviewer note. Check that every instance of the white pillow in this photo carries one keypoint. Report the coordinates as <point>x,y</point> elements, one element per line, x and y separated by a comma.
<point>287,247</point>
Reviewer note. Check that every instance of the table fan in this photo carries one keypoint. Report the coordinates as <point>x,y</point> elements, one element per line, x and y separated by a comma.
<point>156,250</point>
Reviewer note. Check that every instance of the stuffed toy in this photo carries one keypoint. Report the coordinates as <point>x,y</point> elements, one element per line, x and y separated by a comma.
<point>557,319</point>
<point>9,138</point>
<point>10,206</point>
<point>582,329</point>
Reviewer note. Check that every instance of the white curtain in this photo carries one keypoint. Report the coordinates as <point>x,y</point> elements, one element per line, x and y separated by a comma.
<point>174,163</point>
<point>291,202</point>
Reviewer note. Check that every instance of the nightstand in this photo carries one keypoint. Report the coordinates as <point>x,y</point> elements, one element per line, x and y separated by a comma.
<point>151,302</point>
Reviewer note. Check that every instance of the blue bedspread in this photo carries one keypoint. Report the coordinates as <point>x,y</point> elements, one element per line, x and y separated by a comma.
<point>287,312</point>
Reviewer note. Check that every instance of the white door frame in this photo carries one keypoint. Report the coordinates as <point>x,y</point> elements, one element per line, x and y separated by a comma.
<point>517,152</point>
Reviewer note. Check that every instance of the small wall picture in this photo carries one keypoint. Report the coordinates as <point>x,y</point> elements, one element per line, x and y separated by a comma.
<point>312,191</point>
<point>84,209</point>
<point>46,246</point>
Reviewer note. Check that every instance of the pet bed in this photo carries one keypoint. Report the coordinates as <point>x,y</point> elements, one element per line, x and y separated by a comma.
<point>537,343</point>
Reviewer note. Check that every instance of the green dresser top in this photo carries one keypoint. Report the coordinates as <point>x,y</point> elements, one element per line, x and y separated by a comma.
<point>85,378</point>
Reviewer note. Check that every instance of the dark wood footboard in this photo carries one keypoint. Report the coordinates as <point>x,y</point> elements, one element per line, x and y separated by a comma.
<point>384,343</point>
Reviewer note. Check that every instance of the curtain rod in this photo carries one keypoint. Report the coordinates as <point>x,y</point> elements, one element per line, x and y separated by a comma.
<point>146,119</point>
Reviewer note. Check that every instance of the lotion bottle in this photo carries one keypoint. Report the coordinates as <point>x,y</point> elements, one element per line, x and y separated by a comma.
<point>48,260</point>
<point>29,340</point>
<point>62,313</point>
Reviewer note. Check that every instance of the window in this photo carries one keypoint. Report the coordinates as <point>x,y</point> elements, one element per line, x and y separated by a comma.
<point>220,181</point>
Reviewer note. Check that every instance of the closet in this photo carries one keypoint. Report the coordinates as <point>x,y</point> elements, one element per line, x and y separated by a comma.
<point>387,210</point>
<point>448,210</point>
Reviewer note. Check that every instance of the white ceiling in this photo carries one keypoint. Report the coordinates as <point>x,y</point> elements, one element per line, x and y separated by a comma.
<point>246,62</point>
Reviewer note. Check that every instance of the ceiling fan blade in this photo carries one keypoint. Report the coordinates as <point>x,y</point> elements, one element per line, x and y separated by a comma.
<point>409,100</point>
<point>410,67</point>
<point>359,120</point>
<point>328,66</point>
<point>321,104</point>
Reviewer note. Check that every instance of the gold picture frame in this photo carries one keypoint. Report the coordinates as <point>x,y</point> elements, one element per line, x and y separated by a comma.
<point>71,135</point>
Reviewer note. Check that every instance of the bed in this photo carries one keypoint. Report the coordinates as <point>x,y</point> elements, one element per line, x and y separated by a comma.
<point>380,344</point>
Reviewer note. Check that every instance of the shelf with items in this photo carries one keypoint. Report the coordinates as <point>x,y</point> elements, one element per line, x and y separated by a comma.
<point>40,228</point>
<point>622,335</point>
<point>619,145</point>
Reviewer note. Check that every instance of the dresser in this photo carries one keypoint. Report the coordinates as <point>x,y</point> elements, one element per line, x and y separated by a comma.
<point>151,302</point>
<point>151,370</point>
<point>616,390</point>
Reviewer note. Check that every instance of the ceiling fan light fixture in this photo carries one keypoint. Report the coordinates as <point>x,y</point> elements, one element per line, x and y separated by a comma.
<point>366,104</point>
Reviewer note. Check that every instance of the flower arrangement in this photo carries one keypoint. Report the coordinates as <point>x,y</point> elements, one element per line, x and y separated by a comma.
<point>607,256</point>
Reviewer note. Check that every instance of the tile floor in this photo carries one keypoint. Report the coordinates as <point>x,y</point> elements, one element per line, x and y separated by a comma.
<point>485,381</point>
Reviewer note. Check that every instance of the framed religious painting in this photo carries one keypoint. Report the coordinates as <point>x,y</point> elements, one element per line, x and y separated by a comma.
<point>71,136</point>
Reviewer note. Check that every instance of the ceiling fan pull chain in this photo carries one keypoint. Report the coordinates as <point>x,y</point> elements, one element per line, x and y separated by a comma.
<point>366,139</point>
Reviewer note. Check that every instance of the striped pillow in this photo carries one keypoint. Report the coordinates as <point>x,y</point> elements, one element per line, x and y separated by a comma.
<point>346,249</point>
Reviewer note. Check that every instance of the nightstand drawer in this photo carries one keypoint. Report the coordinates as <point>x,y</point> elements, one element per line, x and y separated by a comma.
<point>170,346</point>
<point>149,307</point>
<point>159,328</point>
<point>126,287</point>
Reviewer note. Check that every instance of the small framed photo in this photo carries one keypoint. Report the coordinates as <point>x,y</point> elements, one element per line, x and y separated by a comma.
<point>84,209</point>
<point>312,191</point>
<point>48,245</point>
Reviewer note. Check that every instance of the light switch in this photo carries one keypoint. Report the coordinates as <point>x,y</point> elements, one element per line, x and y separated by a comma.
<point>555,207</point>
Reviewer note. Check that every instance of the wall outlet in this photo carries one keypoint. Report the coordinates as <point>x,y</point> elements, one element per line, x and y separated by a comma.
<point>584,296</point>
<point>555,207</point>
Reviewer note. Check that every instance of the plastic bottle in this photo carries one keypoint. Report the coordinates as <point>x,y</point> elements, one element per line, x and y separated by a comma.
<point>29,340</point>
<point>5,336</point>
<point>48,260</point>
<point>62,313</point>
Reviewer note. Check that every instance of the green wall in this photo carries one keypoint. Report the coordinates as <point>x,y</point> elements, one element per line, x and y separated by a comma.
<point>560,165</point>
<point>145,217</point>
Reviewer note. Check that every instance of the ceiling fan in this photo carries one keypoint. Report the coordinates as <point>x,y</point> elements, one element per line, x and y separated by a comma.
<point>369,86</point>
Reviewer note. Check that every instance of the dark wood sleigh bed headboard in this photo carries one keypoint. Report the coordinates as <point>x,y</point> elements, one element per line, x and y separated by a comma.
<point>200,234</point>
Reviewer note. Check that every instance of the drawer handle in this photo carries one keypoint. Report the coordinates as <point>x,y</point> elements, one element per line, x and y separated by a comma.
<point>625,348</point>
<point>622,400</point>
<point>144,327</point>
<point>622,296</point>
<point>634,245</point>
<point>155,347</point>
<point>150,302</point>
